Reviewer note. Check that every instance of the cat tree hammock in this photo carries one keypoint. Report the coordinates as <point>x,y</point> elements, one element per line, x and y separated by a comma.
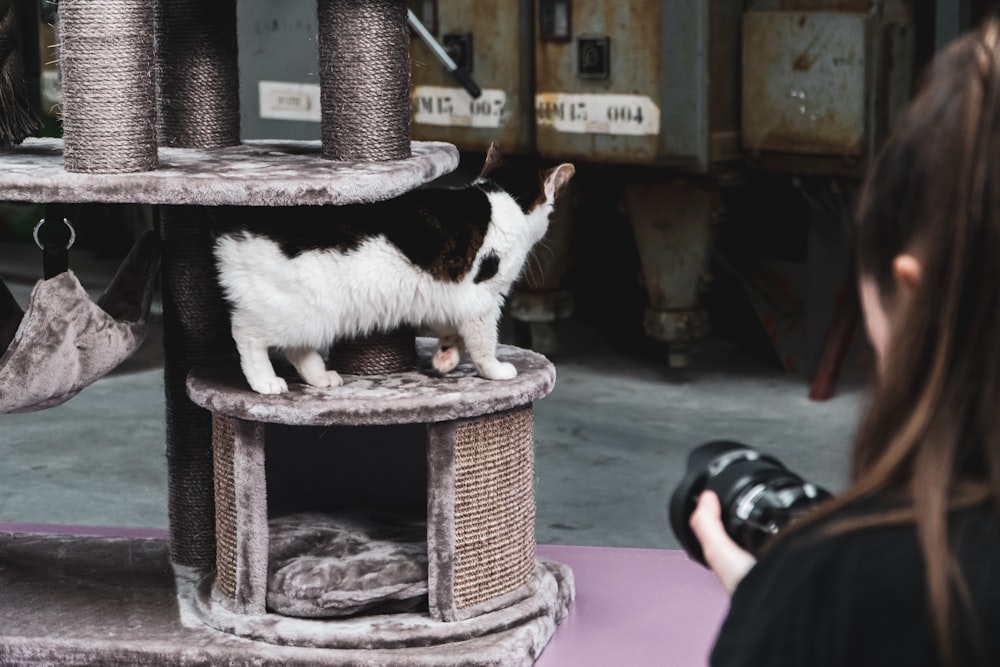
<point>468,589</point>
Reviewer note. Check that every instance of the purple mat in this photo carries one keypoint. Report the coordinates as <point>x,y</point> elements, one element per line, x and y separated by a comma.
<point>633,607</point>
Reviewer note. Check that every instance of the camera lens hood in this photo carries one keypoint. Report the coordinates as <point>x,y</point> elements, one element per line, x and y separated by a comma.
<point>704,463</point>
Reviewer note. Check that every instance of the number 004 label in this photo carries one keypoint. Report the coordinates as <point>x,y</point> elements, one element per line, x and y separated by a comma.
<point>597,114</point>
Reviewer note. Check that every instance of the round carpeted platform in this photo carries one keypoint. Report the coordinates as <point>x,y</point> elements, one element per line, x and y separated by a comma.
<point>254,173</point>
<point>417,396</point>
<point>536,617</point>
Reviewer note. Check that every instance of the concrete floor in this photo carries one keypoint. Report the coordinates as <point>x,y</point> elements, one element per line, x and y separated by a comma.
<point>612,439</point>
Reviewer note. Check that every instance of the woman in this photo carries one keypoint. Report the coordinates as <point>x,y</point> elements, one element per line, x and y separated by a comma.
<point>904,567</point>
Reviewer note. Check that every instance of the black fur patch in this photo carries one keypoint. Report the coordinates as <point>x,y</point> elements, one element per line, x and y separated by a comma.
<point>489,266</point>
<point>489,185</point>
<point>518,178</point>
<point>439,231</point>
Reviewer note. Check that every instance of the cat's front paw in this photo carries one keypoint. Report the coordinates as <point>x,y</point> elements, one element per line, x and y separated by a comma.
<point>326,380</point>
<point>272,385</point>
<point>498,370</point>
<point>446,359</point>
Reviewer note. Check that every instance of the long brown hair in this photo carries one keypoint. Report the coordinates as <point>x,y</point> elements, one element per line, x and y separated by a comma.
<point>930,439</point>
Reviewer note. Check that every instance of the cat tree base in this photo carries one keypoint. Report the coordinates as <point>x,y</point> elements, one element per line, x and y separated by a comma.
<point>522,629</point>
<point>72,600</point>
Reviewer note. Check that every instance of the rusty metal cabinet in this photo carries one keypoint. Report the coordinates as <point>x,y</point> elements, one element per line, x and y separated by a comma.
<point>645,82</point>
<point>490,40</point>
<point>823,83</point>
<point>654,84</point>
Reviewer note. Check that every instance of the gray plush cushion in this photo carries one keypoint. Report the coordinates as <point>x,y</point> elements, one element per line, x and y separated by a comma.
<point>324,566</point>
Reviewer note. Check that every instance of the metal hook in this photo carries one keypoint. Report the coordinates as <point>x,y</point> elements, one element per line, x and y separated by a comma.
<point>69,243</point>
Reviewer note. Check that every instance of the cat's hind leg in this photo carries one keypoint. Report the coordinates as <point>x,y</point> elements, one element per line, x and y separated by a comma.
<point>480,337</point>
<point>312,368</point>
<point>448,354</point>
<point>255,363</point>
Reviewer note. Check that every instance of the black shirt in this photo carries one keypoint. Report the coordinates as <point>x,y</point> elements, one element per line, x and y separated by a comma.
<point>861,599</point>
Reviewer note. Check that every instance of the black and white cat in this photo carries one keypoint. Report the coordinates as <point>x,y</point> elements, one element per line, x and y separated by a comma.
<point>437,259</point>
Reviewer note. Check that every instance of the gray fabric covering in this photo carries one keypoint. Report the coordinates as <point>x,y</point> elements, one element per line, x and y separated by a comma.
<point>326,566</point>
<point>252,534</point>
<point>66,341</point>
<point>551,599</point>
<point>419,396</point>
<point>441,519</point>
<point>116,602</point>
<point>256,173</point>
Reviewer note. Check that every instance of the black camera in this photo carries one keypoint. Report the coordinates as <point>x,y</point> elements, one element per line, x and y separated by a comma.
<point>759,495</point>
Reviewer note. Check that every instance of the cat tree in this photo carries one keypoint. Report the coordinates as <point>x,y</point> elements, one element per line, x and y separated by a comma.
<point>173,140</point>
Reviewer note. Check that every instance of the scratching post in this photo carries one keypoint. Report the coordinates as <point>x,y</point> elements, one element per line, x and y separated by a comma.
<point>17,118</point>
<point>109,111</point>
<point>378,354</point>
<point>481,512</point>
<point>196,328</point>
<point>198,76</point>
<point>364,72</point>
<point>238,453</point>
<point>199,108</point>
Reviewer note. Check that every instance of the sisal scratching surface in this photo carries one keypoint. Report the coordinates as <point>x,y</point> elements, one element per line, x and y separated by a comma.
<point>196,328</point>
<point>106,59</point>
<point>377,354</point>
<point>223,438</point>
<point>494,506</point>
<point>364,71</point>
<point>198,73</point>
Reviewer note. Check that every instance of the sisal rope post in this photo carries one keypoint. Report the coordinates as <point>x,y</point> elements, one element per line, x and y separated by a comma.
<point>376,354</point>
<point>480,512</point>
<point>109,110</point>
<point>494,506</point>
<point>364,72</point>
<point>198,74</point>
<point>196,329</point>
<point>226,521</point>
<point>199,108</point>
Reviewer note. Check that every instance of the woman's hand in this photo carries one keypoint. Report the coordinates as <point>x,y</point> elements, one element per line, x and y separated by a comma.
<point>729,562</point>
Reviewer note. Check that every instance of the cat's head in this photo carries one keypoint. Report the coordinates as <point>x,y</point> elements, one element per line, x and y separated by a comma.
<point>535,194</point>
<point>520,204</point>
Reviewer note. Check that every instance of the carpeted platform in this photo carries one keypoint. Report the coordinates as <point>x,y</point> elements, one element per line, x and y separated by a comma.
<point>255,173</point>
<point>72,600</point>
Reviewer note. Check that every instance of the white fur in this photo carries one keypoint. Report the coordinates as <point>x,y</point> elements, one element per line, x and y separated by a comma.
<point>306,303</point>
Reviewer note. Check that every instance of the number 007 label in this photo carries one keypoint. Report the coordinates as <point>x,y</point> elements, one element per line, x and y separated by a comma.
<point>438,105</point>
<point>597,114</point>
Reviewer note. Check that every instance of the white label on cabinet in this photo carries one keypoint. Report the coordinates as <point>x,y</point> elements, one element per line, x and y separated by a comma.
<point>584,113</point>
<point>289,101</point>
<point>454,107</point>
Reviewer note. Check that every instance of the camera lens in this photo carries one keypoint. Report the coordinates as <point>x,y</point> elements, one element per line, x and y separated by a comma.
<point>758,495</point>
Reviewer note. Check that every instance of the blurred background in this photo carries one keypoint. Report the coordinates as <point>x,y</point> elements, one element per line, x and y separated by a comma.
<point>696,281</point>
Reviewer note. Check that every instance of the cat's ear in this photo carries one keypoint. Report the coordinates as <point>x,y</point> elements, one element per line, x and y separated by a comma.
<point>493,160</point>
<point>555,179</point>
